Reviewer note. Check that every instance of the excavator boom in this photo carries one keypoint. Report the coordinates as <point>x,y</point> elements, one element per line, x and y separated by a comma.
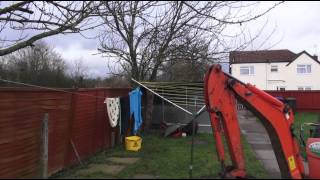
<point>221,93</point>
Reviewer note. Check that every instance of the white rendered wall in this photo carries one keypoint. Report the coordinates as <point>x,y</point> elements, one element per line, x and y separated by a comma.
<point>286,76</point>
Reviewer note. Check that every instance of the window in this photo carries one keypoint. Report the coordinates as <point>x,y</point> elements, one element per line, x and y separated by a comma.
<point>281,88</point>
<point>303,69</point>
<point>274,68</point>
<point>304,88</point>
<point>247,70</point>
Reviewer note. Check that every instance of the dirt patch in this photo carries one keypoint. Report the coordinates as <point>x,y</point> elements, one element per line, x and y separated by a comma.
<point>125,161</point>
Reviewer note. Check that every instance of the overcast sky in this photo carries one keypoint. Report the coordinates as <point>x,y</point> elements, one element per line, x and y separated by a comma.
<point>296,27</point>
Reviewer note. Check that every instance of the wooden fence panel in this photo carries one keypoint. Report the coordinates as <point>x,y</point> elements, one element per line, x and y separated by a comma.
<point>306,100</point>
<point>79,117</point>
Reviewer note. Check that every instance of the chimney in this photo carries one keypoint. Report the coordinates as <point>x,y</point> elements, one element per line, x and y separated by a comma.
<point>315,57</point>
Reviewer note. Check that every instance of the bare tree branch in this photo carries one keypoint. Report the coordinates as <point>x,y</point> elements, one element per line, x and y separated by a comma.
<point>145,34</point>
<point>40,19</point>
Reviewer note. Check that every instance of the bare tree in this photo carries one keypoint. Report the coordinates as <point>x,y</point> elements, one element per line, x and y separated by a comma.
<point>22,23</point>
<point>189,60</point>
<point>141,34</point>
<point>39,65</point>
<point>78,72</point>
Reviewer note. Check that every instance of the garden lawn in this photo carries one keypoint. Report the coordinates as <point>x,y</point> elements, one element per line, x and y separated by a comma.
<point>169,158</point>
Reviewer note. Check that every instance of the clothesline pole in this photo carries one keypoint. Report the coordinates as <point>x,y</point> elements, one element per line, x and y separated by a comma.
<point>187,106</point>
<point>192,141</point>
<point>200,111</point>
<point>161,97</point>
<point>162,108</point>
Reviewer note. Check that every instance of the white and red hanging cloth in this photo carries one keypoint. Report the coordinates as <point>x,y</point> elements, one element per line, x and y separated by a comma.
<point>113,108</point>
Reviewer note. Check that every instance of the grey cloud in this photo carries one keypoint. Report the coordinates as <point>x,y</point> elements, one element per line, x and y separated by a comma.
<point>297,25</point>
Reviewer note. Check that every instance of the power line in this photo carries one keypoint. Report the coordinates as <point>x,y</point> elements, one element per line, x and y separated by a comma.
<point>48,88</point>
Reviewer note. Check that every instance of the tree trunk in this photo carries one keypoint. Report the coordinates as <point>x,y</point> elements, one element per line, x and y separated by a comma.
<point>149,104</point>
<point>149,112</point>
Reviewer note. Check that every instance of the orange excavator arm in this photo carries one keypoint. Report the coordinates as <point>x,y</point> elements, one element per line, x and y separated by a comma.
<point>221,92</point>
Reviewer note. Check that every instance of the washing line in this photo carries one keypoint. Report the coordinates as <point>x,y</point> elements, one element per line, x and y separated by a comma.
<point>155,93</point>
<point>172,83</point>
<point>178,91</point>
<point>184,99</point>
<point>175,87</point>
<point>48,88</point>
<point>173,102</point>
<point>180,94</point>
<point>183,103</point>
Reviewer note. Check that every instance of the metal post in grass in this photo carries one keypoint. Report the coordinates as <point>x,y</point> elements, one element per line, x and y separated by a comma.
<point>195,114</point>
<point>45,144</point>
<point>76,152</point>
<point>185,115</point>
<point>163,108</point>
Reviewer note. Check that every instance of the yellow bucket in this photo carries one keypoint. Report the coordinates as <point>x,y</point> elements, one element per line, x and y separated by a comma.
<point>133,143</point>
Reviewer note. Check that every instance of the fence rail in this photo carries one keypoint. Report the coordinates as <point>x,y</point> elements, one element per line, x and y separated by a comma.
<point>77,123</point>
<point>306,101</point>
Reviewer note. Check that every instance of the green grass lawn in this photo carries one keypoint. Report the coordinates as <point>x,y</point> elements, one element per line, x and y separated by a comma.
<point>169,159</point>
<point>301,118</point>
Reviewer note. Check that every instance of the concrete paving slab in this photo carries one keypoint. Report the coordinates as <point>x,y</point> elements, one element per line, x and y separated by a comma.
<point>121,160</point>
<point>259,140</point>
<point>257,134</point>
<point>258,137</point>
<point>104,168</point>
<point>252,127</point>
<point>271,165</point>
<point>265,154</point>
<point>261,146</point>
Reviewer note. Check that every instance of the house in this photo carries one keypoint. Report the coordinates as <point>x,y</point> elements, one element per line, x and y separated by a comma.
<point>276,69</point>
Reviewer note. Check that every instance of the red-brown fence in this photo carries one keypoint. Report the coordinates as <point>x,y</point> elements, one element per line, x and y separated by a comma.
<point>305,100</point>
<point>79,118</point>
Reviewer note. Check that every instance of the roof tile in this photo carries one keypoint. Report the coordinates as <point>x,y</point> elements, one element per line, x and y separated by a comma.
<point>263,56</point>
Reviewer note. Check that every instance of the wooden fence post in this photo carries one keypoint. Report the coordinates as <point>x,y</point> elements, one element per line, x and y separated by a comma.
<point>45,144</point>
